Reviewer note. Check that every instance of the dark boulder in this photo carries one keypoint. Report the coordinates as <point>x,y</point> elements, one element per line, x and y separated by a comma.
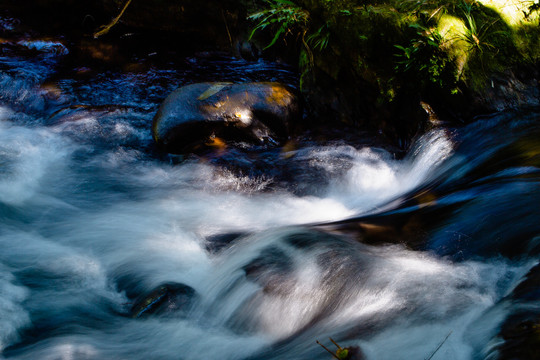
<point>520,332</point>
<point>167,298</point>
<point>196,115</point>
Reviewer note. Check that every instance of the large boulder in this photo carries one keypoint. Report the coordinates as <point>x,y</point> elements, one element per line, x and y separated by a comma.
<point>194,116</point>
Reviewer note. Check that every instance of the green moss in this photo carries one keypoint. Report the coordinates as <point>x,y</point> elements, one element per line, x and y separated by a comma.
<point>527,39</point>
<point>395,48</point>
<point>361,41</point>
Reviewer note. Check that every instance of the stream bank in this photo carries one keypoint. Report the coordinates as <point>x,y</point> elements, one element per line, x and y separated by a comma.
<point>391,67</point>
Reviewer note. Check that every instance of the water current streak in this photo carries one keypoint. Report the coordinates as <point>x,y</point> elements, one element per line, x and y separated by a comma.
<point>271,250</point>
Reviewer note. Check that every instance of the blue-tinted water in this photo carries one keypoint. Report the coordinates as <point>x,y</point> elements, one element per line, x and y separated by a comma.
<point>93,217</point>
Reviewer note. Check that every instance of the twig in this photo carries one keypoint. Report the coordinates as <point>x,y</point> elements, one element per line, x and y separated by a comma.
<point>105,28</point>
<point>325,348</point>
<point>438,347</point>
<point>227,27</point>
<point>335,343</point>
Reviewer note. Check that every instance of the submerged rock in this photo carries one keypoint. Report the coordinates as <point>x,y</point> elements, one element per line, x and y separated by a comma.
<point>204,114</point>
<point>166,298</point>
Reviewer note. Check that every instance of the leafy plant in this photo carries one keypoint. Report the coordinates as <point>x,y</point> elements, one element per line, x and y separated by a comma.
<point>285,17</point>
<point>476,37</point>
<point>283,14</point>
<point>319,39</point>
<point>425,58</point>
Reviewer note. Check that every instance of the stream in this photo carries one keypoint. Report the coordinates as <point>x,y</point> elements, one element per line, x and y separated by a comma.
<point>406,256</point>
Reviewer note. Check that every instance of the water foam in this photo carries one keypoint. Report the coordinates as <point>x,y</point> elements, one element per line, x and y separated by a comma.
<point>90,225</point>
<point>28,156</point>
<point>376,178</point>
<point>13,315</point>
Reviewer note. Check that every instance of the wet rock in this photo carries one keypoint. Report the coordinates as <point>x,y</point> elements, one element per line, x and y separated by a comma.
<point>199,115</point>
<point>215,243</point>
<point>513,89</point>
<point>521,330</point>
<point>521,334</point>
<point>247,50</point>
<point>166,298</point>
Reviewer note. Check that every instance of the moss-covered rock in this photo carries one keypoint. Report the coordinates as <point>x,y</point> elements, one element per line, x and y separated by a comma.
<point>371,63</point>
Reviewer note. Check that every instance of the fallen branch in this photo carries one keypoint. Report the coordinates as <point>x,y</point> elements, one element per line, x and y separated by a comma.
<point>105,28</point>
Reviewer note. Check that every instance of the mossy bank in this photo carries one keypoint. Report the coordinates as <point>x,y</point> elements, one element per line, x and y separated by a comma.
<point>395,65</point>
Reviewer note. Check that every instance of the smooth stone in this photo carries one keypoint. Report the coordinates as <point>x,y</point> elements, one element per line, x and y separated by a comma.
<point>196,116</point>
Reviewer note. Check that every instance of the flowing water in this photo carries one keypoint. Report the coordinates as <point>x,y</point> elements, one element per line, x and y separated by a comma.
<point>332,239</point>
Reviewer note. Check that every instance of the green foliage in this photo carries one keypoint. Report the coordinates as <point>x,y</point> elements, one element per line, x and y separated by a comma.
<point>320,38</point>
<point>477,37</point>
<point>284,18</point>
<point>342,353</point>
<point>283,15</point>
<point>527,38</point>
<point>396,47</point>
<point>425,59</point>
<point>305,63</point>
<point>489,43</point>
